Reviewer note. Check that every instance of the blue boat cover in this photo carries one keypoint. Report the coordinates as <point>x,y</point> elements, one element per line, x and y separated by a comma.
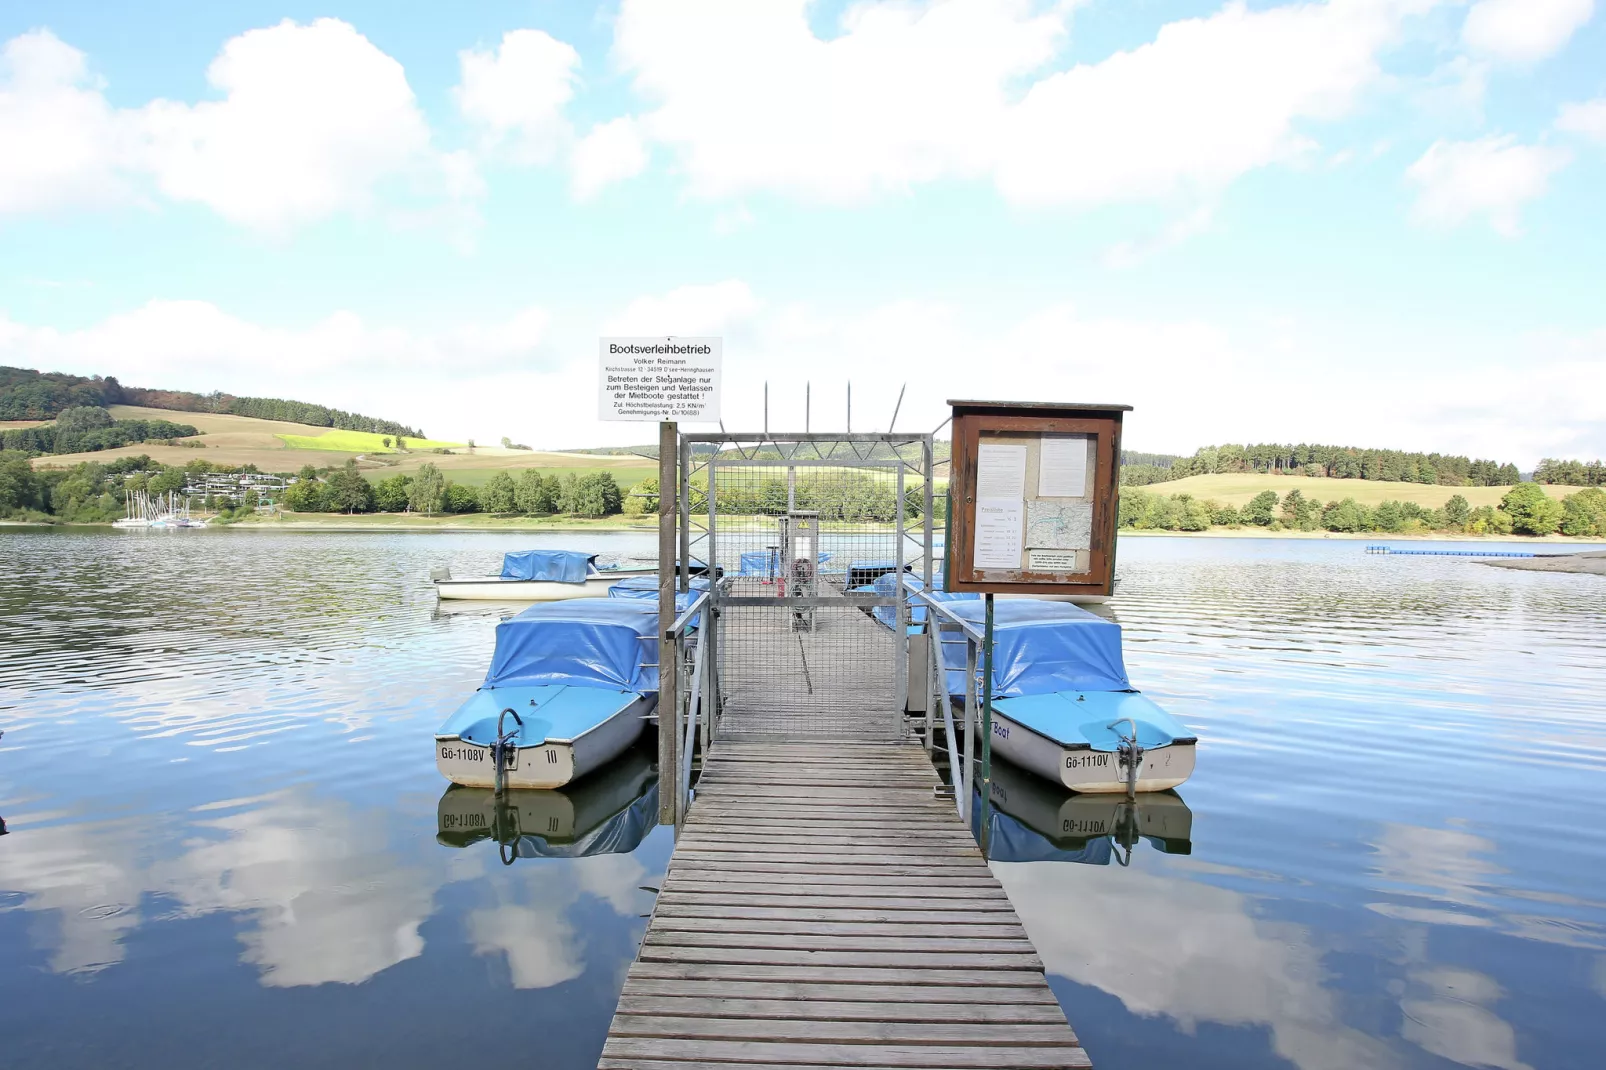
<point>1077,718</point>
<point>1039,647</point>
<point>645,589</point>
<point>558,712</point>
<point>553,566</point>
<point>632,587</point>
<point>588,642</point>
<point>767,562</point>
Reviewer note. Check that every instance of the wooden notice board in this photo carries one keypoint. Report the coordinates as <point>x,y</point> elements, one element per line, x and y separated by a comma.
<point>1034,497</point>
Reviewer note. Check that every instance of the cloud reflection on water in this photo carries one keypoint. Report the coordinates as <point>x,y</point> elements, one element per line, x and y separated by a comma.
<point>1190,951</point>
<point>317,890</point>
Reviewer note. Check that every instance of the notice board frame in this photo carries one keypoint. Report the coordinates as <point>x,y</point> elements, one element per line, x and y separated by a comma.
<point>974,419</point>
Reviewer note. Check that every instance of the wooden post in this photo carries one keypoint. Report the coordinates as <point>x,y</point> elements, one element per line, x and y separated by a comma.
<point>668,663</point>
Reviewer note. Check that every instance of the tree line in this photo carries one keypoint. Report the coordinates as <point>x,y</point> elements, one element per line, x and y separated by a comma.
<point>26,394</point>
<point>1571,473</point>
<point>86,429</point>
<point>1524,510</point>
<point>429,491</point>
<point>1332,462</point>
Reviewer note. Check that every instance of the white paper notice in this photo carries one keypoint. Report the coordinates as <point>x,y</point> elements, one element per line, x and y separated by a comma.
<point>999,531</point>
<point>1062,467</point>
<point>1000,473</point>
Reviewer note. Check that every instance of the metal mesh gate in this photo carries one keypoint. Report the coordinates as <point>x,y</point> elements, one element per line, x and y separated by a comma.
<point>811,532</point>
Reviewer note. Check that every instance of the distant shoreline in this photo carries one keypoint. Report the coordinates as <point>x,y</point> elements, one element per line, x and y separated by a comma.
<point>367,524</point>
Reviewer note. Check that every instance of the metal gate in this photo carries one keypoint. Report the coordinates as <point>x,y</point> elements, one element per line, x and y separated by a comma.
<point>811,533</point>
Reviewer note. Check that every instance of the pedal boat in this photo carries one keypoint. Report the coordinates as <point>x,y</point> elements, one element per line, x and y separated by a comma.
<point>571,686</point>
<point>1063,705</point>
<point>539,576</point>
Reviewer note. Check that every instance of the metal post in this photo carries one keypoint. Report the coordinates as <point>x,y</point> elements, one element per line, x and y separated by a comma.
<point>900,617</point>
<point>928,466</point>
<point>685,516</point>
<point>987,726</point>
<point>969,762</point>
<point>668,654</point>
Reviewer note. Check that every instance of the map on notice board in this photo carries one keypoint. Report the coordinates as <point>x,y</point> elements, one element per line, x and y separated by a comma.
<point>1059,525</point>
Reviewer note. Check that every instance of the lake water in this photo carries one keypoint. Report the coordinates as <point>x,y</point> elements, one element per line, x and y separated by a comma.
<point>227,843</point>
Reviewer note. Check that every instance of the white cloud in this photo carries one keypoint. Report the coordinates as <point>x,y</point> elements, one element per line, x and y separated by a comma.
<point>516,93</point>
<point>907,94</point>
<point>60,142</point>
<point>688,310</point>
<point>1523,31</point>
<point>1194,381</point>
<point>610,152</point>
<point>1587,118</point>
<point>1491,177</point>
<point>310,120</point>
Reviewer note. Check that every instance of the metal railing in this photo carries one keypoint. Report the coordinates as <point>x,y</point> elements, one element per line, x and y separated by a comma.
<point>692,638</point>
<point>964,764</point>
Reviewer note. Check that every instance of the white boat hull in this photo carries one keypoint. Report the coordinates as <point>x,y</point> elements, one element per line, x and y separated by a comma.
<point>550,765</point>
<point>495,589</point>
<point>1087,770</point>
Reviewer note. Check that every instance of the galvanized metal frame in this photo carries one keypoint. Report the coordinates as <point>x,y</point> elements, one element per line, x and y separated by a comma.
<point>699,527</point>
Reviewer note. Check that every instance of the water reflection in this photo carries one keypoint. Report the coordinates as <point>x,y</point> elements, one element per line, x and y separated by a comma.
<point>217,789</point>
<point>1034,820</point>
<point>608,812</point>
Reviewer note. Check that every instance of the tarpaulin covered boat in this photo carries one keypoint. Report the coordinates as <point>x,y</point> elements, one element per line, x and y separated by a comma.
<point>570,686</point>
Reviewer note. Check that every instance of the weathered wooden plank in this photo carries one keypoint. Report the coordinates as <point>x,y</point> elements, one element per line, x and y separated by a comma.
<point>747,868</point>
<point>844,1011</point>
<point>877,994</point>
<point>825,908</point>
<point>952,930</point>
<point>856,1031</point>
<point>654,951</point>
<point>845,887</point>
<point>786,899</point>
<point>798,871</point>
<point>669,907</point>
<point>670,1049</point>
<point>784,941</point>
<point>694,843</point>
<point>884,974</point>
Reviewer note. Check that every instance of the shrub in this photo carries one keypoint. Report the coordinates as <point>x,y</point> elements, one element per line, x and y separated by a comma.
<point>1532,511</point>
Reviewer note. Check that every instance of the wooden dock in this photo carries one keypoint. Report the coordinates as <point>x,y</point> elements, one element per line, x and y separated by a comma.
<point>824,908</point>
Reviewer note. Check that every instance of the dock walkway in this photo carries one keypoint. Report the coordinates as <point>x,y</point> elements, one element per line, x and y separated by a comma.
<point>824,908</point>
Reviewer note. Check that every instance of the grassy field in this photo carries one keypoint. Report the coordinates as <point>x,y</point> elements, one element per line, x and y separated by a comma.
<point>279,446</point>
<point>1238,489</point>
<point>9,425</point>
<point>359,442</point>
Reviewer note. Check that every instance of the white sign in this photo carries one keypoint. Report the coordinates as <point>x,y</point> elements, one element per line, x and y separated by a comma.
<point>1000,471</point>
<point>998,533</point>
<point>650,379</point>
<point>1062,467</point>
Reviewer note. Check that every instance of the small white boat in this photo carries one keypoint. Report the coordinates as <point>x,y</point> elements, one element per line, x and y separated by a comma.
<point>1081,739</point>
<point>571,686</point>
<point>539,576</point>
<point>1064,707</point>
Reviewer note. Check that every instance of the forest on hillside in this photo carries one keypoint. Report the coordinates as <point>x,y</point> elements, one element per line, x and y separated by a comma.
<point>1333,462</point>
<point>26,394</point>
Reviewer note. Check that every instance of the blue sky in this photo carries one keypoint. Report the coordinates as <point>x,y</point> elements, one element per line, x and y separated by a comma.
<point>1376,222</point>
